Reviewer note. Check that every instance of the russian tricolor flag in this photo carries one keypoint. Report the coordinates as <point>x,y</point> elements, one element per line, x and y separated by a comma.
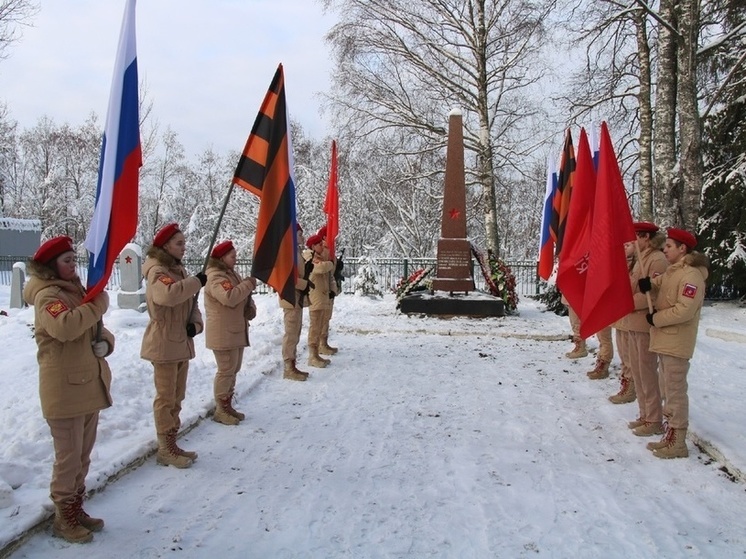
<point>546,244</point>
<point>114,222</point>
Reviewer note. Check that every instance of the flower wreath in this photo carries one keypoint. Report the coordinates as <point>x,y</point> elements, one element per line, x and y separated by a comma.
<point>416,278</point>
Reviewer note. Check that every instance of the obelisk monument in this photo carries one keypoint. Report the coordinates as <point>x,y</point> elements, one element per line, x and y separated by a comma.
<point>454,250</point>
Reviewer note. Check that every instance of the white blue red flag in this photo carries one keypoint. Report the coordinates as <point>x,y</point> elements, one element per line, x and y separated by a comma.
<point>546,243</point>
<point>114,222</point>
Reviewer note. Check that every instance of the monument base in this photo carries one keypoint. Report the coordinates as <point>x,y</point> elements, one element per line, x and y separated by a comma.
<point>134,301</point>
<point>475,304</point>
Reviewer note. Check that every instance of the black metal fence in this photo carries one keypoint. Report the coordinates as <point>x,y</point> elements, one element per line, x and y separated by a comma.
<point>388,272</point>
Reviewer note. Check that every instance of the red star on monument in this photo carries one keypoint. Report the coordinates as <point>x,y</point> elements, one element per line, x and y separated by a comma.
<point>454,213</point>
<point>128,259</point>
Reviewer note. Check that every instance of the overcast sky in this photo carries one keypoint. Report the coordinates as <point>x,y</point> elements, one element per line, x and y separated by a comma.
<point>207,64</point>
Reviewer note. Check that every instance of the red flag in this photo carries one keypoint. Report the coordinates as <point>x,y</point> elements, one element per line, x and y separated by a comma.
<point>331,203</point>
<point>561,202</point>
<point>265,170</point>
<point>573,262</point>
<point>608,293</point>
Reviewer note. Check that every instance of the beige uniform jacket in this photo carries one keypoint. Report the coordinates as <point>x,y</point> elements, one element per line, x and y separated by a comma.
<point>679,294</point>
<point>652,264</point>
<point>301,299</point>
<point>169,294</point>
<point>228,306</point>
<point>72,380</point>
<point>320,275</point>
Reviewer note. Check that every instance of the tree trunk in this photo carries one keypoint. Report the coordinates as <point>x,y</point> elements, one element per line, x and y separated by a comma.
<point>667,185</point>
<point>646,211</point>
<point>690,127</point>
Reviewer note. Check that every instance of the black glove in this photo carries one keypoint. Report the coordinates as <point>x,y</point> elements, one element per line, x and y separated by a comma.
<point>202,278</point>
<point>644,284</point>
<point>308,269</point>
<point>191,330</point>
<point>332,295</point>
<point>649,317</point>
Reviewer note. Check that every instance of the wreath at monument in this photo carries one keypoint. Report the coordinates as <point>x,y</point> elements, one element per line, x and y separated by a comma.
<point>498,277</point>
<point>415,282</point>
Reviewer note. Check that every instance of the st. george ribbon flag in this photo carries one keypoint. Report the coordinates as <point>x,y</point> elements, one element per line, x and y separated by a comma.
<point>114,221</point>
<point>265,169</point>
<point>573,262</point>
<point>331,204</point>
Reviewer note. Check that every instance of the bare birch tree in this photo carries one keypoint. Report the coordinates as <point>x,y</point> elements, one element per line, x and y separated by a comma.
<point>404,64</point>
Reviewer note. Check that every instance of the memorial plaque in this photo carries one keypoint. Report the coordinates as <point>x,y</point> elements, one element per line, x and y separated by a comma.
<point>454,250</point>
<point>131,293</point>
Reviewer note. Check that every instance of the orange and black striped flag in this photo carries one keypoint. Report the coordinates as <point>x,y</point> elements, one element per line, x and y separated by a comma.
<point>265,169</point>
<point>561,203</point>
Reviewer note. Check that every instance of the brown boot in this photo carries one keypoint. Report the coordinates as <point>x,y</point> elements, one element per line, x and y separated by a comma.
<point>168,453</point>
<point>626,392</point>
<point>600,371</point>
<point>222,415</point>
<point>675,447</point>
<point>314,359</point>
<point>87,521</point>
<point>291,372</point>
<point>188,453</point>
<point>325,348</point>
<point>648,429</point>
<point>661,443</point>
<point>579,350</point>
<point>66,524</point>
<point>636,423</point>
<point>234,412</point>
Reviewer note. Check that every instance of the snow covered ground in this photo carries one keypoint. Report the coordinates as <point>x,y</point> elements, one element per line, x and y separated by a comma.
<point>426,437</point>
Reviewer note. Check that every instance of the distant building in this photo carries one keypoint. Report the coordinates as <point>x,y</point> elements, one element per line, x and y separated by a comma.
<point>19,239</point>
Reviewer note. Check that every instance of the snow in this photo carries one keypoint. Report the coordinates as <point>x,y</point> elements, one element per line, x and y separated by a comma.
<point>425,437</point>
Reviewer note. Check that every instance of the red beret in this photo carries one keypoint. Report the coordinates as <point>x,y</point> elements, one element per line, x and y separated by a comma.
<point>682,236</point>
<point>313,240</point>
<point>322,232</point>
<point>165,234</point>
<point>53,248</point>
<point>221,249</point>
<point>645,227</point>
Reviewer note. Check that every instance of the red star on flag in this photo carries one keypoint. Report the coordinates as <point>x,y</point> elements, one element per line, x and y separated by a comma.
<point>454,213</point>
<point>128,259</point>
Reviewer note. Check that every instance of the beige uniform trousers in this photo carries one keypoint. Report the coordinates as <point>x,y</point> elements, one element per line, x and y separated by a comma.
<point>293,319</point>
<point>605,347</point>
<point>316,323</point>
<point>170,389</point>
<point>229,362</point>
<point>574,321</point>
<point>676,398</point>
<point>644,365</point>
<point>623,341</point>
<point>327,320</point>
<point>73,442</point>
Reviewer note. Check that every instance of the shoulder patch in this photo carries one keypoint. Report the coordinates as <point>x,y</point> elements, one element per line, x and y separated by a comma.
<point>166,280</point>
<point>56,308</point>
<point>227,285</point>
<point>690,290</point>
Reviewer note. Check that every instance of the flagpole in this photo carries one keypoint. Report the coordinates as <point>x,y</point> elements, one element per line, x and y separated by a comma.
<point>217,225</point>
<point>647,293</point>
<point>212,241</point>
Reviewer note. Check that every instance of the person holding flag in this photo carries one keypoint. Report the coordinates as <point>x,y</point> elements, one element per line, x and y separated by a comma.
<point>74,377</point>
<point>167,343</point>
<point>678,293</point>
<point>293,315</point>
<point>335,288</point>
<point>229,307</point>
<point>319,297</point>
